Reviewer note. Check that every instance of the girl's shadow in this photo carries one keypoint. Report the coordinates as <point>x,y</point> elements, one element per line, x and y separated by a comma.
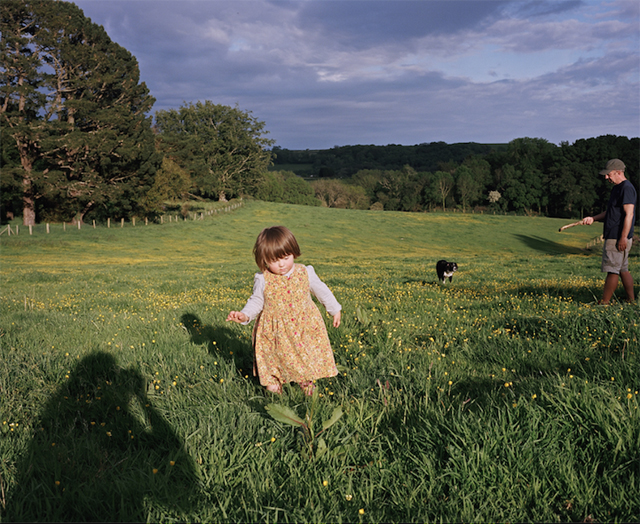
<point>220,341</point>
<point>102,452</point>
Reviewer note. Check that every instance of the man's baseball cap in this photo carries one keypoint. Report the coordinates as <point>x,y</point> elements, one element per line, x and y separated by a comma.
<point>613,165</point>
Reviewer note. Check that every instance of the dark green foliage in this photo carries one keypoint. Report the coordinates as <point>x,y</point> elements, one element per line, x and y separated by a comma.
<point>345,161</point>
<point>340,194</point>
<point>222,147</point>
<point>530,175</point>
<point>21,95</point>
<point>10,181</point>
<point>287,188</point>
<point>534,175</point>
<point>74,106</point>
<point>171,183</point>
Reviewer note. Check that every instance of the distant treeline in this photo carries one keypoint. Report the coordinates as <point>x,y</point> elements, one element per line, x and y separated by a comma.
<point>526,176</point>
<point>345,161</point>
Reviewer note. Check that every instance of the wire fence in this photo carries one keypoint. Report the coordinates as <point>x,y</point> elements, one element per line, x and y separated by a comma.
<point>47,228</point>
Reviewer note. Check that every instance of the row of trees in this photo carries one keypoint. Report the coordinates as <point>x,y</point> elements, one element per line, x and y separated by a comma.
<point>345,161</point>
<point>528,175</point>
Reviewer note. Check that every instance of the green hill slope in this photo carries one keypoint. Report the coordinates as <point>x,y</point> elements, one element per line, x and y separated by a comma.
<point>324,234</point>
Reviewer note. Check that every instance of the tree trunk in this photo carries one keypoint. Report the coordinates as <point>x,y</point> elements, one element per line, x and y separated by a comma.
<point>86,209</point>
<point>28,203</point>
<point>28,198</point>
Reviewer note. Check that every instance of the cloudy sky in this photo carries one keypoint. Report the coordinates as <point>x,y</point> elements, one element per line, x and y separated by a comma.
<point>322,73</point>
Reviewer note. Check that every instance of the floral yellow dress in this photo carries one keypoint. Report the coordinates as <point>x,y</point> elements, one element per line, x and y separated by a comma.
<point>290,338</point>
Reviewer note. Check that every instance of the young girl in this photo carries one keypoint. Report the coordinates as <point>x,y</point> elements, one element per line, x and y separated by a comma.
<point>290,339</point>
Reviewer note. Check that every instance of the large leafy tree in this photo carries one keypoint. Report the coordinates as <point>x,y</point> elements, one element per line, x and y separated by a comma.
<point>339,194</point>
<point>222,147</point>
<point>20,80</point>
<point>572,187</point>
<point>77,111</point>
<point>287,187</point>
<point>472,178</point>
<point>469,188</point>
<point>441,185</point>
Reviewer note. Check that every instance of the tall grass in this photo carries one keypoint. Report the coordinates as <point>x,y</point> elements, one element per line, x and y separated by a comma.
<point>505,395</point>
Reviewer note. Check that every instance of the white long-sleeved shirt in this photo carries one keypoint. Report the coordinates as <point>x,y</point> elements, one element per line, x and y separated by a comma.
<point>318,288</point>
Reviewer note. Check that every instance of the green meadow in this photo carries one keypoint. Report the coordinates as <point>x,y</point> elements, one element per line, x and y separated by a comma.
<point>505,395</point>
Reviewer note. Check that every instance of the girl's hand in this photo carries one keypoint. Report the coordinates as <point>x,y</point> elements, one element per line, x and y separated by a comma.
<point>336,319</point>
<point>237,316</point>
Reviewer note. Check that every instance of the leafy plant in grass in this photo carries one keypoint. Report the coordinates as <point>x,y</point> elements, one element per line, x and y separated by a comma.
<point>362,316</point>
<point>314,446</point>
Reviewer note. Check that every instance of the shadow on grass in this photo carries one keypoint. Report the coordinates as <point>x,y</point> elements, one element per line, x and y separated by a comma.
<point>102,452</point>
<point>408,280</point>
<point>220,341</point>
<point>583,295</point>
<point>545,245</point>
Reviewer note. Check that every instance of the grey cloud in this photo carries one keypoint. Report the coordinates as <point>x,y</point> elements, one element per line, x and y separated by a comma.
<point>540,8</point>
<point>522,36</point>
<point>362,24</point>
<point>325,73</point>
<point>617,73</point>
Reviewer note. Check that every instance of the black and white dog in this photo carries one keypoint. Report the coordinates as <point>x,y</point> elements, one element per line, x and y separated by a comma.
<point>446,270</point>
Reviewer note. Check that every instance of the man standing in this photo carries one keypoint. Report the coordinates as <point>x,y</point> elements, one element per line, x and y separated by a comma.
<point>618,231</point>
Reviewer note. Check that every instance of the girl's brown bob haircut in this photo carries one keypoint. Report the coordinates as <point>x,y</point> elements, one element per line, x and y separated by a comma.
<point>274,243</point>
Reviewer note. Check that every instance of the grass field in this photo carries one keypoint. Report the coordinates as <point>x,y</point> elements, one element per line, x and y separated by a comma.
<point>506,395</point>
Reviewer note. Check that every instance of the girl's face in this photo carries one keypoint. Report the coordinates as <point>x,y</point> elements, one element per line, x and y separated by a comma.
<point>281,266</point>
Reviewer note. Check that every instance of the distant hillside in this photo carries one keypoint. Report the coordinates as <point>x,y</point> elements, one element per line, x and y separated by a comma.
<point>345,161</point>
